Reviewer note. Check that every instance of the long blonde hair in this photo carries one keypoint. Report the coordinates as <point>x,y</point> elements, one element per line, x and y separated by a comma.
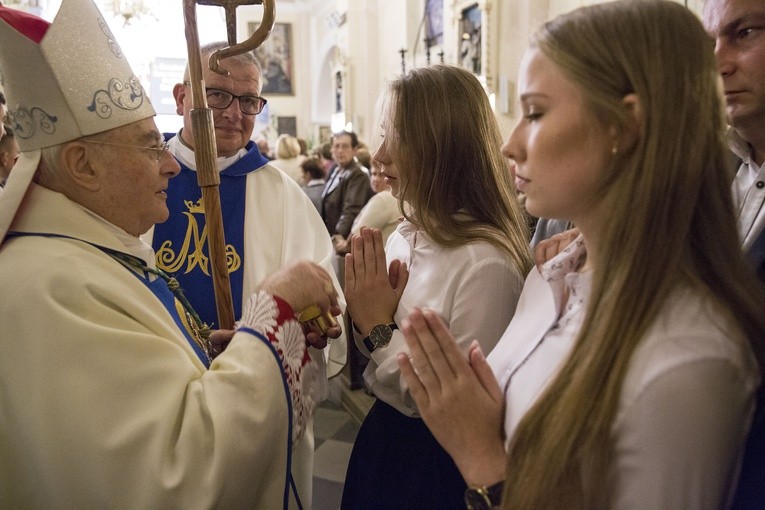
<point>454,179</point>
<point>671,222</point>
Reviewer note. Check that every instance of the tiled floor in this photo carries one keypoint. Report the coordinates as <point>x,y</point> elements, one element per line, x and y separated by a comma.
<point>335,431</point>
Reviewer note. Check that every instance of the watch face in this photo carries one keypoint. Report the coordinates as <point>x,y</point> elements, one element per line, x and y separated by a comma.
<point>380,335</point>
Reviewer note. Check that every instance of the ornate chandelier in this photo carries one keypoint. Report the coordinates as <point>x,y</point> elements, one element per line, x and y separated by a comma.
<point>129,9</point>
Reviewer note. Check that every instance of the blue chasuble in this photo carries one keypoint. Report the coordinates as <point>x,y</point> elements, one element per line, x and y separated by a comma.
<point>181,242</point>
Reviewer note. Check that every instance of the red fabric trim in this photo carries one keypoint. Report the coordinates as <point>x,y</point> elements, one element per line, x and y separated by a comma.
<point>286,313</point>
<point>27,24</point>
<point>285,310</point>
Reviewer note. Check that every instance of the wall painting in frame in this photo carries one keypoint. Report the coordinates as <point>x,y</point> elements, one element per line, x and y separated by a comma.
<point>275,56</point>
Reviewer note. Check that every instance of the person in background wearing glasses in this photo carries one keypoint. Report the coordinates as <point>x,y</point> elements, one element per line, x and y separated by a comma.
<point>347,189</point>
<point>268,220</point>
<point>110,398</point>
<point>9,154</point>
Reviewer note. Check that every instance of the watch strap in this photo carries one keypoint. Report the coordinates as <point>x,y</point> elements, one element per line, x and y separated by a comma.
<point>368,344</point>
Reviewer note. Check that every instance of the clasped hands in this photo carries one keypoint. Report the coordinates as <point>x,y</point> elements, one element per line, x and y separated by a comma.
<point>372,288</point>
<point>459,399</point>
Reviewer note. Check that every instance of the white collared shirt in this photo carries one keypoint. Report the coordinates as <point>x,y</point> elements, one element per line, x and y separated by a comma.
<point>685,403</point>
<point>473,287</point>
<point>748,191</point>
<point>335,179</point>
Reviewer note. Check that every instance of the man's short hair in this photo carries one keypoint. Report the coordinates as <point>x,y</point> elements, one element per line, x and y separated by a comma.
<point>354,138</point>
<point>326,151</point>
<point>208,49</point>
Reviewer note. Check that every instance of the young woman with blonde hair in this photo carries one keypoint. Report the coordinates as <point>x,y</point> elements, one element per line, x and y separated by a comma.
<point>628,376</point>
<point>462,250</point>
<point>288,158</point>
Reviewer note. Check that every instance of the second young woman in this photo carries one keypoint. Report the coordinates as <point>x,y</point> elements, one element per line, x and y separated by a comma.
<point>463,248</point>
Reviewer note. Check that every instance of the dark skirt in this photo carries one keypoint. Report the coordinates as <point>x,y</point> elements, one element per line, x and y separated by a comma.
<point>396,463</point>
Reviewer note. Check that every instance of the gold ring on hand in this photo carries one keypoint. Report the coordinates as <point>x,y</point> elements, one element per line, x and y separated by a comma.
<point>316,321</point>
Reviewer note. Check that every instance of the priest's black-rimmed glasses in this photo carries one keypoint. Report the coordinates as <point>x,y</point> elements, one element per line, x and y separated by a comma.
<point>222,99</point>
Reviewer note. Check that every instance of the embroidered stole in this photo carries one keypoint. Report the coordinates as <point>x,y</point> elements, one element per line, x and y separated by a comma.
<point>181,317</point>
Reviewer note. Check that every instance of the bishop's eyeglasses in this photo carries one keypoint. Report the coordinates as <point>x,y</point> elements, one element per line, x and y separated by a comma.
<point>158,151</point>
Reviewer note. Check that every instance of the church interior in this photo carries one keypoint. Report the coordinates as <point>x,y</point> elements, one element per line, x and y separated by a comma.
<point>326,61</point>
<point>324,66</point>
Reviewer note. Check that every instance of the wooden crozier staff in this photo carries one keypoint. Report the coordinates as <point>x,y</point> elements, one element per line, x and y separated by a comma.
<point>205,151</point>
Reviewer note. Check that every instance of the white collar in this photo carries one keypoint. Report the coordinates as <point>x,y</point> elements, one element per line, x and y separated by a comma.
<point>739,146</point>
<point>133,245</point>
<point>185,154</point>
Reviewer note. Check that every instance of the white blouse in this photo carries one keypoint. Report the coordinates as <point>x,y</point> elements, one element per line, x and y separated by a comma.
<point>687,398</point>
<point>473,287</point>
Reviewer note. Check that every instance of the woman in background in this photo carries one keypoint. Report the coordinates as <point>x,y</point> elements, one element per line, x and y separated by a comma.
<point>288,157</point>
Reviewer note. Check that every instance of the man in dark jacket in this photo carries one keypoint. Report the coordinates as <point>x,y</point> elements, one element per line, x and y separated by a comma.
<point>348,187</point>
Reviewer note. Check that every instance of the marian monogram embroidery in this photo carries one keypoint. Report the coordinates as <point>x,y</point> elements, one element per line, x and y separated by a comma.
<point>190,253</point>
